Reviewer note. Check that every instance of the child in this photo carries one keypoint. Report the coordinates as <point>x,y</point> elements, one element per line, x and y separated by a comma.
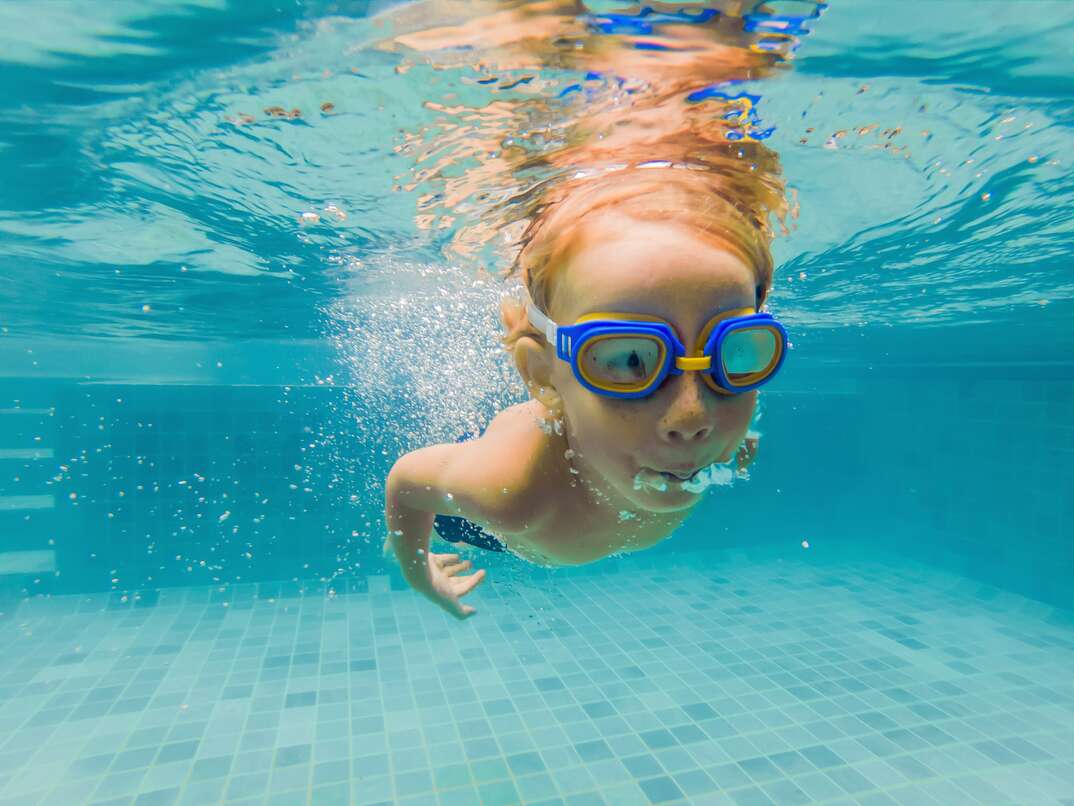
<point>640,338</point>
<point>604,457</point>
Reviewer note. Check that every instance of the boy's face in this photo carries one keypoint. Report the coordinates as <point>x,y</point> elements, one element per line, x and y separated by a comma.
<point>660,269</point>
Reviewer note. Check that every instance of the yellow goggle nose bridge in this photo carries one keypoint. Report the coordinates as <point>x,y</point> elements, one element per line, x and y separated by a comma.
<point>695,363</point>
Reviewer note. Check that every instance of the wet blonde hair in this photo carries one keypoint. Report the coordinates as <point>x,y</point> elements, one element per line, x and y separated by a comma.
<point>730,207</point>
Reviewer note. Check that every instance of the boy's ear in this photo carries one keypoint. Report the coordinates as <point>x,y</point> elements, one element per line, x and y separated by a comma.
<point>534,363</point>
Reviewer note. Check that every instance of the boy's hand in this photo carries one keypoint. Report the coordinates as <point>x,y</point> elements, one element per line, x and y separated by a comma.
<point>445,586</point>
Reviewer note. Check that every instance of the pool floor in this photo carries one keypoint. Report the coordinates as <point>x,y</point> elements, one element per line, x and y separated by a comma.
<point>707,678</point>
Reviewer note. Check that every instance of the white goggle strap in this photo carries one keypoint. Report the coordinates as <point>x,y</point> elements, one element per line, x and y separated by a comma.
<point>541,322</point>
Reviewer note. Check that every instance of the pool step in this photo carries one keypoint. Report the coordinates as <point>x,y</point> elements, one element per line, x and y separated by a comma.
<point>15,503</point>
<point>26,453</point>
<point>27,513</point>
<point>27,562</point>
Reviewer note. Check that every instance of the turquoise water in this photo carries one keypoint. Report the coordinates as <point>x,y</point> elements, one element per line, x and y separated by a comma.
<point>199,399</point>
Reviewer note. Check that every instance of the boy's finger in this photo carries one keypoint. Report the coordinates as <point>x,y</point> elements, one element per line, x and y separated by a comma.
<point>466,584</point>
<point>454,568</point>
<point>456,608</point>
<point>465,612</point>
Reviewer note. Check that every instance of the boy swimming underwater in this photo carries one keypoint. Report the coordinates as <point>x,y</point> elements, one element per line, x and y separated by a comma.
<point>654,384</point>
<point>640,337</point>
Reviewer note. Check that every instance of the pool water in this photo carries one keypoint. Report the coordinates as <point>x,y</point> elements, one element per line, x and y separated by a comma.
<point>203,298</point>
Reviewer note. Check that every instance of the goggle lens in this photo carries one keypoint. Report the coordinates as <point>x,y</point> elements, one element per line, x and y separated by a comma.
<point>749,354</point>
<point>621,363</point>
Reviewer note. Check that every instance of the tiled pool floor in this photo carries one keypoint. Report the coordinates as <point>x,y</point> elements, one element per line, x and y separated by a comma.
<point>696,678</point>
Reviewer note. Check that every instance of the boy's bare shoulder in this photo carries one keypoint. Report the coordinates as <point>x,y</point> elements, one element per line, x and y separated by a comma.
<point>511,467</point>
<point>518,447</point>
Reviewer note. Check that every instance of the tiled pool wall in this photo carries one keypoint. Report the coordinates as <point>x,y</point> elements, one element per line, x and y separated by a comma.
<point>977,475</point>
<point>121,487</point>
<point>966,468</point>
<point>130,487</point>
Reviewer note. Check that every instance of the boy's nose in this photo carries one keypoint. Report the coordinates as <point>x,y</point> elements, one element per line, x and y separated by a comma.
<point>687,419</point>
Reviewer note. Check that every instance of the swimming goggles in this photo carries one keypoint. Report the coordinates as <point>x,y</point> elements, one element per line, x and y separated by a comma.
<point>629,355</point>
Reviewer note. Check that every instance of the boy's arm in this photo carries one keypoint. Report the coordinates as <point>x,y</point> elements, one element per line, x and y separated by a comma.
<point>459,479</point>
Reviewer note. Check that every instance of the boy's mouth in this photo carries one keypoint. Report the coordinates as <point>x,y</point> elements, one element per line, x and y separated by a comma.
<point>663,479</point>
<point>693,481</point>
<point>680,475</point>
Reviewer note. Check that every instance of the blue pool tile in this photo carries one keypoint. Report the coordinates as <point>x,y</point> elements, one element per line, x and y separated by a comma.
<point>786,793</point>
<point>997,752</point>
<point>293,754</point>
<point>905,739</point>
<point>593,751</point>
<point>597,710</point>
<point>687,734</point>
<point>549,684</point>
<point>750,796</point>
<point>331,772</point>
<point>369,791</point>
<point>178,751</point>
<point>453,775</point>
<point>337,794</point>
<point>694,782</point>
<point>89,766</point>
<point>525,763</point>
<point>202,793</point>
<point>934,735</point>
<point>791,762</point>
<point>301,699</point>
<point>489,769</point>
<point>584,799</point>
<point>291,777</point>
<point>911,768</point>
<point>699,711</point>
<point>499,707</point>
<point>123,783</point>
<point>820,756</point>
<point>849,779</point>
<point>661,789</point>
<point>480,748</point>
<point>134,759</point>
<point>206,768</point>
<point>536,787</point>
<point>242,786</point>
<point>657,739</point>
<point>760,769</point>
<point>413,783</point>
<point>499,793</point>
<point>464,796</point>
<point>159,797</point>
<point>729,776</point>
<point>643,766</point>
<point>370,765</point>
<point>1025,749</point>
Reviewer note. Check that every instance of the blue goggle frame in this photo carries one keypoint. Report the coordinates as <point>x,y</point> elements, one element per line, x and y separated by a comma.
<point>570,341</point>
